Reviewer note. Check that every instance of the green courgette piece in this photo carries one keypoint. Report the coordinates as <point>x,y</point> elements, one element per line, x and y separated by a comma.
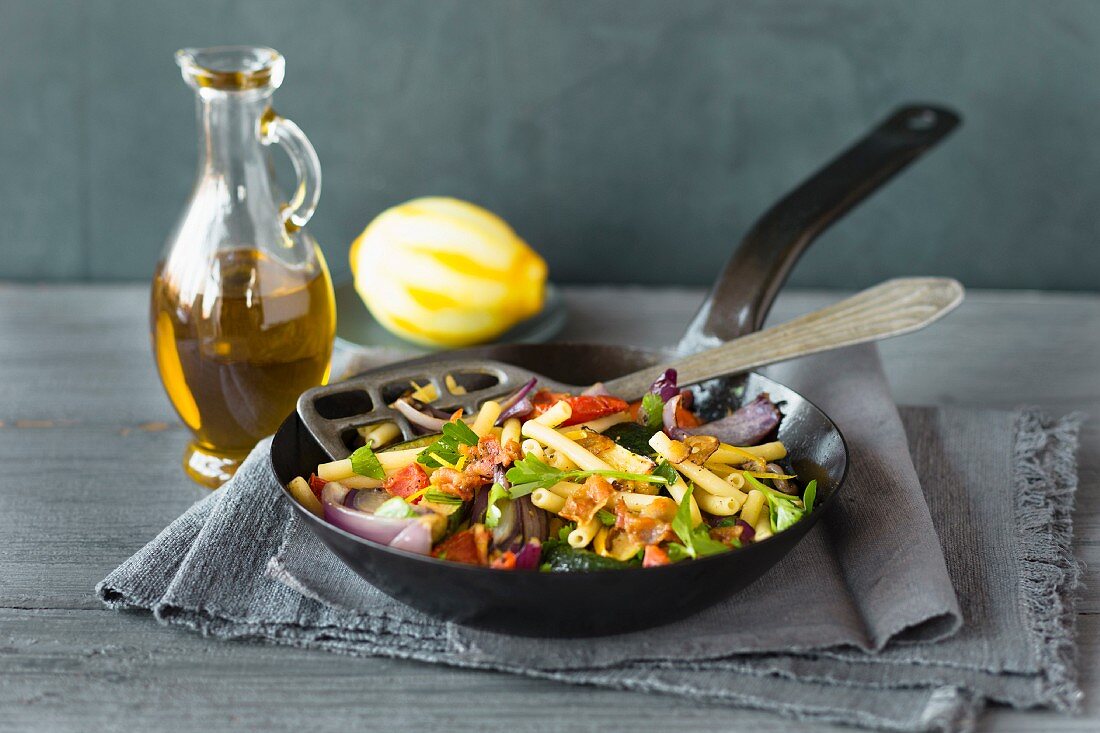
<point>633,437</point>
<point>560,557</point>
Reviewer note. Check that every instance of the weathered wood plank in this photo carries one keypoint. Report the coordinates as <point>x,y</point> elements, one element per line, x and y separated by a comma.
<point>94,670</point>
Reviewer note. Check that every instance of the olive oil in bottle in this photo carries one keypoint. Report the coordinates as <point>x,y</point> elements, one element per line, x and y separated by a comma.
<point>234,359</point>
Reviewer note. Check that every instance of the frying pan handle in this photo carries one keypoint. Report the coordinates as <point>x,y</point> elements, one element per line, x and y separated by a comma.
<point>743,294</point>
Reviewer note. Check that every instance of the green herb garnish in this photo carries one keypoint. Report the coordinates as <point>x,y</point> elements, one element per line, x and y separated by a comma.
<point>810,495</point>
<point>365,463</point>
<point>492,511</point>
<point>666,471</point>
<point>395,508</point>
<point>697,541</point>
<point>563,533</point>
<point>783,510</point>
<point>530,473</point>
<point>606,518</point>
<point>438,497</point>
<point>446,446</point>
<point>652,410</point>
<point>677,552</point>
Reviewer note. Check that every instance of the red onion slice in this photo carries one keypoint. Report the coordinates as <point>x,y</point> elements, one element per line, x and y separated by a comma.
<point>668,419</point>
<point>517,405</point>
<point>749,425</point>
<point>416,537</point>
<point>361,524</point>
<point>418,418</point>
<point>367,526</point>
<point>665,385</point>
<point>528,557</point>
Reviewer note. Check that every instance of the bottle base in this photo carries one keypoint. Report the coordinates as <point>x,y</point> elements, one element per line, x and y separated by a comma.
<point>211,468</point>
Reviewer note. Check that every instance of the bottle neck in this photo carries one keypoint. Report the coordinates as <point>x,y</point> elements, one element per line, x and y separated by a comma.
<point>229,132</point>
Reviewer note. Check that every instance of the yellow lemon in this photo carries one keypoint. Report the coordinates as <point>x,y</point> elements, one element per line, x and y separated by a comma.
<point>444,272</point>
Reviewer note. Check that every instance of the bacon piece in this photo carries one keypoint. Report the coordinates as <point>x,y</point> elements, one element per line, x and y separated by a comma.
<point>406,482</point>
<point>727,535</point>
<point>484,457</point>
<point>654,557</point>
<point>649,527</point>
<point>457,483</point>
<point>583,504</point>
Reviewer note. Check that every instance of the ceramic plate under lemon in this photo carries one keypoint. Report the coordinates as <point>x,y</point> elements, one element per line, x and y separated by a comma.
<point>356,327</point>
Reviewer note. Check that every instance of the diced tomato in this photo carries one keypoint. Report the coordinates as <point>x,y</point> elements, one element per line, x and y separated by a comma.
<point>316,484</point>
<point>407,481</point>
<point>687,418</point>
<point>468,546</point>
<point>584,407</point>
<point>593,407</point>
<point>544,399</point>
<point>634,409</point>
<point>654,557</point>
<point>507,561</point>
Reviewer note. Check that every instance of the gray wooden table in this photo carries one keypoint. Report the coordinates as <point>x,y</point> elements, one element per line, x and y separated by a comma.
<point>90,452</point>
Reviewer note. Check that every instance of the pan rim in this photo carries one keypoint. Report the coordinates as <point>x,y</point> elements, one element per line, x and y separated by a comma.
<point>812,519</point>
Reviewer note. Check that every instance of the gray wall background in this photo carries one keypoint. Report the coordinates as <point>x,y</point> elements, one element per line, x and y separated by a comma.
<point>628,141</point>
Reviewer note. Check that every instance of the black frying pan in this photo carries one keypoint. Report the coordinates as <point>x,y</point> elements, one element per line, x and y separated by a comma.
<point>583,604</point>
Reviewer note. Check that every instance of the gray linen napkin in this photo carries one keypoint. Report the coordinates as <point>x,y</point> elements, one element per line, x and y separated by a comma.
<point>1000,489</point>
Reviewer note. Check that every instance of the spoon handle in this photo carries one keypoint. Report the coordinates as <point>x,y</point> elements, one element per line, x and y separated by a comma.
<point>888,309</point>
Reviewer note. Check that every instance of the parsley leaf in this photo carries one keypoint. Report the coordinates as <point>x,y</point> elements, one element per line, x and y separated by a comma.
<point>681,523</point>
<point>677,552</point>
<point>492,511</point>
<point>446,446</point>
<point>365,463</point>
<point>652,408</point>
<point>606,518</point>
<point>666,471</point>
<point>809,495</point>
<point>697,540</point>
<point>563,533</point>
<point>528,474</point>
<point>783,510</point>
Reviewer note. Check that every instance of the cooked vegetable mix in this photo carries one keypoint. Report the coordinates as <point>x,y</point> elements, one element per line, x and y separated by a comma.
<point>558,482</point>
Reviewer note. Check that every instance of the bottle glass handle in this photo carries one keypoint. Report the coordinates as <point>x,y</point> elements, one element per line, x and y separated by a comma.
<point>277,129</point>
